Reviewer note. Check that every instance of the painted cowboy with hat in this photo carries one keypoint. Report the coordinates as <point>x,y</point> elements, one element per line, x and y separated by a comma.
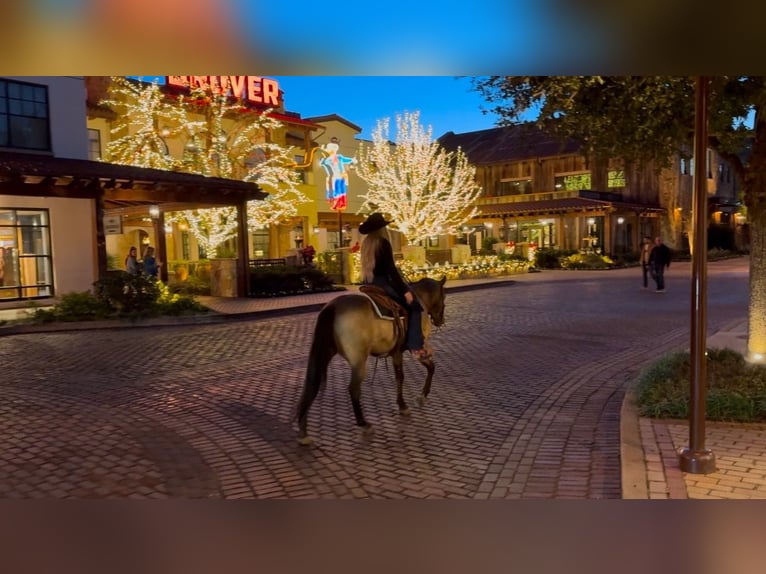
<point>378,268</point>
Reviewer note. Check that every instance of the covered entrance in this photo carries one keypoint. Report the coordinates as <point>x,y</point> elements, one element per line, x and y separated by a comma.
<point>122,194</point>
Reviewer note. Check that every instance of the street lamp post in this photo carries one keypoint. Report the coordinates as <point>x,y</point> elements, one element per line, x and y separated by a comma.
<point>695,458</point>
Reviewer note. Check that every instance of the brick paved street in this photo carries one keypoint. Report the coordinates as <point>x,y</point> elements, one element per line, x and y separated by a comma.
<point>525,402</point>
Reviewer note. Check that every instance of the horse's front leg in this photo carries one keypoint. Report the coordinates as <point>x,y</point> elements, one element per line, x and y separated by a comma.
<point>430,368</point>
<point>398,360</point>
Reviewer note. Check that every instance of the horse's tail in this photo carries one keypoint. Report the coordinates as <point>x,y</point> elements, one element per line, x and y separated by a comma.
<point>322,351</point>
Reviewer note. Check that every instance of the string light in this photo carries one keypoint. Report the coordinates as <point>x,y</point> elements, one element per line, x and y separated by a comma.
<point>425,189</point>
<point>242,152</point>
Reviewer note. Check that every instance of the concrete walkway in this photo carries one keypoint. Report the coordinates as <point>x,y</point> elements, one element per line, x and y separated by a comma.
<point>650,466</point>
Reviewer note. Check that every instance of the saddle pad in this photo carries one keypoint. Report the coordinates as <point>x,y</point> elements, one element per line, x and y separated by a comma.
<point>384,306</point>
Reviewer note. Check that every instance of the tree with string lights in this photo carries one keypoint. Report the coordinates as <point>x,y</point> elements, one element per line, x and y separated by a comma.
<point>244,152</point>
<point>141,109</point>
<point>425,189</point>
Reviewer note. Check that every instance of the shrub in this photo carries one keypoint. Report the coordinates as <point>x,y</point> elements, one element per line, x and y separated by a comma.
<point>127,293</point>
<point>736,390</point>
<point>78,306</point>
<point>586,261</point>
<point>546,258</point>
<point>193,285</point>
<point>487,245</point>
<point>119,294</point>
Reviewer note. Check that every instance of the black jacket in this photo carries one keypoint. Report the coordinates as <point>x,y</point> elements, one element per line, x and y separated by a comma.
<point>660,256</point>
<point>385,270</point>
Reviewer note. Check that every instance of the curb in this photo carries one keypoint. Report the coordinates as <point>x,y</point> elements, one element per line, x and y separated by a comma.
<point>633,466</point>
<point>210,319</point>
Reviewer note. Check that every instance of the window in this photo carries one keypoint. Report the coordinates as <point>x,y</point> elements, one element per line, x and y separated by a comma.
<point>185,252</point>
<point>615,178</point>
<point>514,187</point>
<point>261,243</point>
<point>710,164</point>
<point>299,159</point>
<point>24,122</point>
<point>25,254</point>
<point>94,144</point>
<point>573,182</point>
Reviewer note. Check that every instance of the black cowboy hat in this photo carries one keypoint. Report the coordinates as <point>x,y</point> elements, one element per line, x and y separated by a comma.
<point>374,222</point>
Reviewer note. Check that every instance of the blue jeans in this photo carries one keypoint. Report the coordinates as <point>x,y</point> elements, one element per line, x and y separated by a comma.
<point>415,339</point>
<point>659,276</point>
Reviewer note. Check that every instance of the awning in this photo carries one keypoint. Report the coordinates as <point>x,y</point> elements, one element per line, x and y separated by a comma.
<point>560,206</point>
<point>123,187</point>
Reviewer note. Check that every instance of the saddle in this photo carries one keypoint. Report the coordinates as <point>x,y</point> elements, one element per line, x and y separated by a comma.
<point>387,308</point>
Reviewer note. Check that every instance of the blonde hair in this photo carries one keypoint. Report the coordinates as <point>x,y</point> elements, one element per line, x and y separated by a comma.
<point>368,250</point>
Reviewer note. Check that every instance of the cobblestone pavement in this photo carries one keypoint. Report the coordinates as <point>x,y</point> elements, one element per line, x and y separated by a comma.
<point>525,403</point>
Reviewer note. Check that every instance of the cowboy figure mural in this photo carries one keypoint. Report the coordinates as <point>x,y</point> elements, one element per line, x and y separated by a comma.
<point>336,167</point>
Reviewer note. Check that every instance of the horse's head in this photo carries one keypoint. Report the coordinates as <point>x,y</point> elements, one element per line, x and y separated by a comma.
<point>431,293</point>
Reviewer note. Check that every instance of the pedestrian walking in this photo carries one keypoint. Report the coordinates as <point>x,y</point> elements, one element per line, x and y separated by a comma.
<point>646,249</point>
<point>659,260</point>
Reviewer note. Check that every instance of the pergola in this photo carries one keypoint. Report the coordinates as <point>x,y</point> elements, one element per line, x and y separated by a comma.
<point>127,190</point>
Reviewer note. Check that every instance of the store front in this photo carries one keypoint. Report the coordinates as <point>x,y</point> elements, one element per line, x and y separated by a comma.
<point>57,213</point>
<point>574,223</point>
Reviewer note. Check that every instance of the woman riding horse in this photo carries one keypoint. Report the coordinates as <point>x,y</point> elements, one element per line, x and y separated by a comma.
<point>378,268</point>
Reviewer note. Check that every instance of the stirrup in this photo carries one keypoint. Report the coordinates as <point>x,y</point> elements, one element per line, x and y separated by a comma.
<point>422,354</point>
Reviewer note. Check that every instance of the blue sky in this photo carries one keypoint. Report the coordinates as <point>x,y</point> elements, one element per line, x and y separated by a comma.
<point>446,103</point>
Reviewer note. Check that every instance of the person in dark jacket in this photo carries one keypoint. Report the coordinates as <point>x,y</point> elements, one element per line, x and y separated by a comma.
<point>646,249</point>
<point>659,260</point>
<point>378,268</point>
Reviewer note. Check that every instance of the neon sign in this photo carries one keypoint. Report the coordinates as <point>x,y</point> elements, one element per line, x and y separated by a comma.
<point>254,89</point>
<point>336,170</point>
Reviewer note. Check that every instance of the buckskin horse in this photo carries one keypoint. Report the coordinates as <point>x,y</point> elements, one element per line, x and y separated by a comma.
<point>351,327</point>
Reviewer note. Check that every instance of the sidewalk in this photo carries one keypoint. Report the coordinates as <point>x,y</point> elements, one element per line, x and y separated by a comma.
<point>650,467</point>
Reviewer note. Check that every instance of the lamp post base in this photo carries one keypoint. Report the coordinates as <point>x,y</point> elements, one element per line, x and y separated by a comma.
<point>696,462</point>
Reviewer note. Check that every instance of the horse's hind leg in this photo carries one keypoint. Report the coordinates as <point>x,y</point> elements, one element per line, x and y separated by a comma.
<point>429,365</point>
<point>358,372</point>
<point>398,360</point>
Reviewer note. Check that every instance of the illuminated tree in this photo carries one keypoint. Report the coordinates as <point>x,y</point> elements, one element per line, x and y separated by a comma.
<point>647,120</point>
<point>142,108</point>
<point>244,152</point>
<point>422,187</point>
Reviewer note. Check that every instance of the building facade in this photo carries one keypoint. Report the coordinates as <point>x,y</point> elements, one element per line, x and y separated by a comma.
<point>283,239</point>
<point>58,208</point>
<point>47,242</point>
<point>538,190</point>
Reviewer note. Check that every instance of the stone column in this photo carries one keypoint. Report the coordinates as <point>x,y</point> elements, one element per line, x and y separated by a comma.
<point>223,277</point>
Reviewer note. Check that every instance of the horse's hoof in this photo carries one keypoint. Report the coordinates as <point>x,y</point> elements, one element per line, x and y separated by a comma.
<point>305,441</point>
<point>421,400</point>
<point>405,412</point>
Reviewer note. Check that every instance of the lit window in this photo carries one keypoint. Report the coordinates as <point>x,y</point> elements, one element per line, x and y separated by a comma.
<point>25,254</point>
<point>616,178</point>
<point>572,182</point>
<point>94,145</point>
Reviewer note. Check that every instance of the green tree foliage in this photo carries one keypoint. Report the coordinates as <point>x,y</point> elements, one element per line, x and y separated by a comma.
<point>647,119</point>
